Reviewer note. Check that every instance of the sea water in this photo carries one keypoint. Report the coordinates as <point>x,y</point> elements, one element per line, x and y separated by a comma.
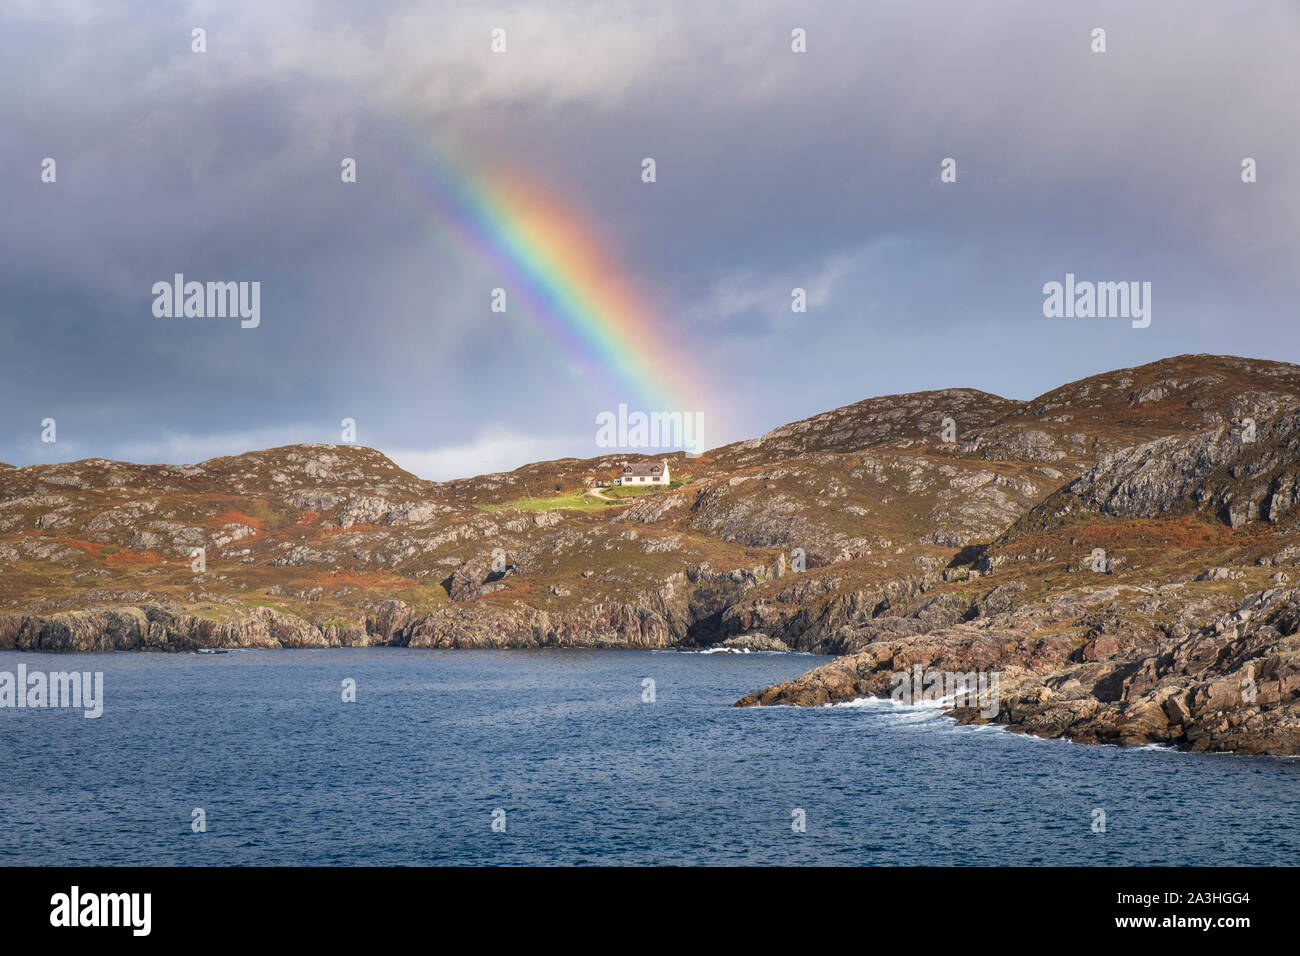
<point>583,757</point>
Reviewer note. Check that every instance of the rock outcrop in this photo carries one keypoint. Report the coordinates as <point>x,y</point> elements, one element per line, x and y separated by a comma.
<point>1232,684</point>
<point>1118,550</point>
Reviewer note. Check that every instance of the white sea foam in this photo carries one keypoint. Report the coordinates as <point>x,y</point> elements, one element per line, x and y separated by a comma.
<point>897,706</point>
<point>726,650</point>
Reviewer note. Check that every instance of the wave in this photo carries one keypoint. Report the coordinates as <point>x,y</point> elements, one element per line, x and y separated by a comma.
<point>889,704</point>
<point>728,650</point>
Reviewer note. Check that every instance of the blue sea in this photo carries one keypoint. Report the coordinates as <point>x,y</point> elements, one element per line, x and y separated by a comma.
<point>562,750</point>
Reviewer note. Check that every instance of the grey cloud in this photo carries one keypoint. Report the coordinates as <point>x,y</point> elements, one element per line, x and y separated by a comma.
<point>775,170</point>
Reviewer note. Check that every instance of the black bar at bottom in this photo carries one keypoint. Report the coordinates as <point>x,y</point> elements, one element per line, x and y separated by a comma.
<point>824,907</point>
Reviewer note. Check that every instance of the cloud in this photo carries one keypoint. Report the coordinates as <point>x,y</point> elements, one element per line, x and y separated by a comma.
<point>776,170</point>
<point>747,291</point>
<point>181,449</point>
<point>495,450</point>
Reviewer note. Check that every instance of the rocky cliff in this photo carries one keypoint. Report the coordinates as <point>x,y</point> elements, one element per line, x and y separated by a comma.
<point>1118,550</point>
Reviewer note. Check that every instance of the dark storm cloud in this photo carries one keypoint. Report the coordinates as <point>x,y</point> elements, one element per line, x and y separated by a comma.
<point>776,170</point>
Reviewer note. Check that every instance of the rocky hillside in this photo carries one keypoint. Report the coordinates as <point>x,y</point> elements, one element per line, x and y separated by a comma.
<point>1179,396</point>
<point>1118,549</point>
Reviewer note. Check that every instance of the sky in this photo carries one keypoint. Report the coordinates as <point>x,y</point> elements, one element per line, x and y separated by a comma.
<point>523,171</point>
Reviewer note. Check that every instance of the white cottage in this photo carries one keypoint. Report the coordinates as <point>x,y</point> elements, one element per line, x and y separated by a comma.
<point>644,473</point>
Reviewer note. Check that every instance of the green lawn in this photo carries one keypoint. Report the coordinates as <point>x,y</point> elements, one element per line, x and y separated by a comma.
<point>582,501</point>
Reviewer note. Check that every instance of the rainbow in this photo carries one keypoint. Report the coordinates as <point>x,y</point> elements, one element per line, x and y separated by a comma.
<point>583,302</point>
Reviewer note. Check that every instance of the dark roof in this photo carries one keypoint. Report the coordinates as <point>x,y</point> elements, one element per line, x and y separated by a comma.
<point>643,468</point>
